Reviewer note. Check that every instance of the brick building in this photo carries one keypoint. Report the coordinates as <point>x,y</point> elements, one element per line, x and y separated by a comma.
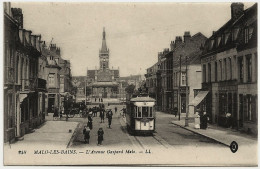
<point>229,66</point>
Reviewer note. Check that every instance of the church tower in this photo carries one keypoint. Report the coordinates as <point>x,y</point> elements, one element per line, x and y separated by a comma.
<point>104,53</point>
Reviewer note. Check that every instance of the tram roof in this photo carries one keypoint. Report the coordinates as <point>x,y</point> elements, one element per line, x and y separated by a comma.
<point>142,99</point>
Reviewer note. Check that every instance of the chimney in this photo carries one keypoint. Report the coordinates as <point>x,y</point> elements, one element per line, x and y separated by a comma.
<point>172,45</point>
<point>178,41</point>
<point>237,9</point>
<point>186,36</point>
<point>213,32</point>
<point>18,15</point>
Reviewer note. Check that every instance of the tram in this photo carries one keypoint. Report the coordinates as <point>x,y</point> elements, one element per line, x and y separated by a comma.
<point>140,115</point>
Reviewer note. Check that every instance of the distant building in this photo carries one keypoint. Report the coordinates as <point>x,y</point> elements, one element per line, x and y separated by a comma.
<point>123,82</point>
<point>151,80</point>
<point>229,68</point>
<point>103,81</point>
<point>80,83</point>
<point>53,77</point>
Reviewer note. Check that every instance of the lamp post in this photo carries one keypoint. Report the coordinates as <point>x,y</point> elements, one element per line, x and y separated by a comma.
<point>187,96</point>
<point>85,91</point>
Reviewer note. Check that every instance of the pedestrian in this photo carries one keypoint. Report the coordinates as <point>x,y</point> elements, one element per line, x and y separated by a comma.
<point>124,111</point>
<point>101,99</point>
<point>102,115</point>
<point>90,122</point>
<point>197,121</point>
<point>115,110</point>
<point>204,121</point>
<point>95,99</point>
<point>86,133</point>
<point>109,116</point>
<point>100,136</point>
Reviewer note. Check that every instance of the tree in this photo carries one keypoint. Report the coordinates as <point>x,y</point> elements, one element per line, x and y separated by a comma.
<point>130,89</point>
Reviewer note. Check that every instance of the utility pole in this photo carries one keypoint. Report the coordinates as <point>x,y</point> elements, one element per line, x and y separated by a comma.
<point>187,95</point>
<point>179,92</point>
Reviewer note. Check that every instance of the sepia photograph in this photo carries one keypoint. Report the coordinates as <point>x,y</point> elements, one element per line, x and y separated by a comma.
<point>130,84</point>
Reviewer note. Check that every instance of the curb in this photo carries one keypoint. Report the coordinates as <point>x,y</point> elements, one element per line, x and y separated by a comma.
<point>73,136</point>
<point>201,134</point>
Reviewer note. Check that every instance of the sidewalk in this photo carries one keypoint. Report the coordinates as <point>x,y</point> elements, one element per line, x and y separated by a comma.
<point>51,134</point>
<point>222,135</point>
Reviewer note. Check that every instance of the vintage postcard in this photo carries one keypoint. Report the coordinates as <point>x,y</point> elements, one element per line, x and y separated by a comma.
<point>130,83</point>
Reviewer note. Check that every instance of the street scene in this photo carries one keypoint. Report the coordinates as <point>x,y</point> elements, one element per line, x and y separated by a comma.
<point>110,92</point>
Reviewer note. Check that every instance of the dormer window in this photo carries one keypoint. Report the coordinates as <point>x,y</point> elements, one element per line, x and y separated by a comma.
<point>218,41</point>
<point>248,34</point>
<point>211,44</point>
<point>226,37</point>
<point>234,34</point>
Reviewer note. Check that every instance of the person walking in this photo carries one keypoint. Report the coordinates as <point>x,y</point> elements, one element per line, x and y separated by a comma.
<point>86,133</point>
<point>109,116</point>
<point>100,136</point>
<point>102,115</point>
<point>90,122</point>
<point>115,110</point>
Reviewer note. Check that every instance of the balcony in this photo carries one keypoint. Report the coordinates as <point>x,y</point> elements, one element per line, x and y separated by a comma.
<point>33,84</point>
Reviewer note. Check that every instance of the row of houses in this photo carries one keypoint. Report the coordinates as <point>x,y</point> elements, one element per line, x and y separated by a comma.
<point>35,77</point>
<point>216,74</point>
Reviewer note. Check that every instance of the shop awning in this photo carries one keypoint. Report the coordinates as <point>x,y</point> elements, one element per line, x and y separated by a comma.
<point>201,95</point>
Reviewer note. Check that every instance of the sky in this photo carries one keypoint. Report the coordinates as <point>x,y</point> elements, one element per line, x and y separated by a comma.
<point>135,32</point>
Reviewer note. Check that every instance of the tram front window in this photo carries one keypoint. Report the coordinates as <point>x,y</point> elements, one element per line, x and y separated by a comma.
<point>151,112</point>
<point>145,111</point>
<point>139,112</point>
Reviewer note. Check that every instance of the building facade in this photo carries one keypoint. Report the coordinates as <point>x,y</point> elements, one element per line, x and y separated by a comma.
<point>103,80</point>
<point>22,87</point>
<point>229,66</point>
<point>186,70</point>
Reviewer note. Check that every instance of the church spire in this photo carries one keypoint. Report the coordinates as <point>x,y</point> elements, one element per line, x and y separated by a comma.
<point>104,45</point>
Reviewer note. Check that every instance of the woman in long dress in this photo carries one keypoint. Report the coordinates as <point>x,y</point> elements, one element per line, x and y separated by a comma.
<point>197,121</point>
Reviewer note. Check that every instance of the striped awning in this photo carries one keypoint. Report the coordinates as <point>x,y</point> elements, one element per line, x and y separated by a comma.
<point>201,95</point>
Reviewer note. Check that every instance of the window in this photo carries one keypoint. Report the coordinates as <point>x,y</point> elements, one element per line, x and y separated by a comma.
<point>248,34</point>
<point>151,112</point>
<point>204,73</point>
<point>145,111</point>
<point>17,70</point>
<point>241,69</point>
<point>183,78</point>
<point>225,69</point>
<point>220,69</point>
<point>249,68</point>
<point>216,71</point>
<point>51,80</point>
<point>230,68</point>
<point>139,114</point>
<point>249,108</point>
<point>209,72</point>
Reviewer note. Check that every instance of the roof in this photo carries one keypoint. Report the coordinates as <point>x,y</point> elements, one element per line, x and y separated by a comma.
<point>142,99</point>
<point>224,33</point>
<point>132,77</point>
